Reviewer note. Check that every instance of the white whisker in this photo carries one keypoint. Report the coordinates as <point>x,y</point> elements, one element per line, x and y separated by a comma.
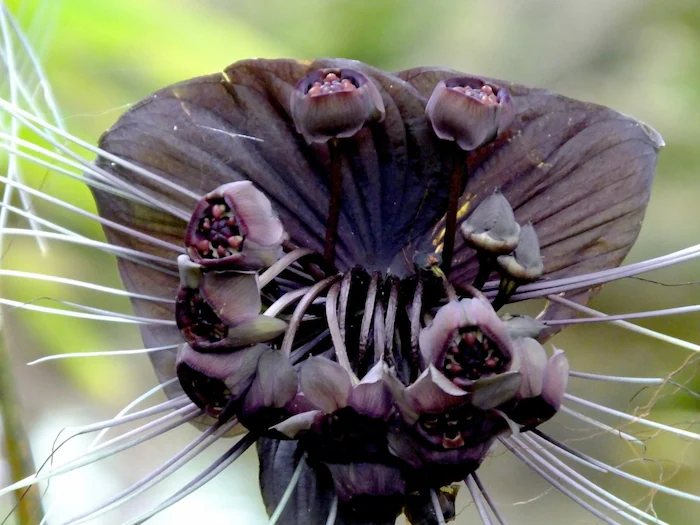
<point>626,325</point>
<point>83,284</point>
<point>92,457</point>
<point>132,404</point>
<point>513,447</point>
<point>105,222</point>
<point>572,482</point>
<point>67,313</point>
<point>233,135</point>
<point>478,500</point>
<point>39,220</point>
<point>542,446</point>
<point>209,473</point>
<point>600,425</point>
<point>279,266</point>
<point>287,494</point>
<point>635,315</point>
<point>27,118</point>
<point>333,512</point>
<point>633,419</point>
<point>439,516</point>
<point>189,452</point>
<point>589,461</point>
<point>286,300</point>
<point>106,353</point>
<point>134,318</point>
<point>103,246</point>
<point>487,498</point>
<point>619,379</point>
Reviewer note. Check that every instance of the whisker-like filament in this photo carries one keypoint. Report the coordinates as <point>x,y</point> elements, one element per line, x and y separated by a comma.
<point>102,246</point>
<point>207,475</point>
<point>105,353</point>
<point>589,461</point>
<point>633,419</point>
<point>336,336</point>
<point>494,509</point>
<point>619,379</point>
<point>621,317</point>
<point>135,402</point>
<point>553,480</point>
<point>105,222</point>
<point>333,512</point>
<point>186,454</point>
<point>437,509</point>
<point>536,445</point>
<point>626,325</point>
<point>27,118</point>
<point>188,413</point>
<point>572,482</point>
<point>282,264</point>
<point>134,318</point>
<point>601,425</point>
<point>478,500</point>
<point>83,284</point>
<point>288,491</point>
<point>286,300</point>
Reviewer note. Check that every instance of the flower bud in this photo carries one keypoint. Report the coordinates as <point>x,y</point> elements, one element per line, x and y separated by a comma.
<point>492,226</point>
<point>525,263</point>
<point>234,228</point>
<point>334,103</point>
<point>469,111</point>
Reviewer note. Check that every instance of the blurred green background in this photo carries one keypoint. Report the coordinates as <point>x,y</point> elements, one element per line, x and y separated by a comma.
<point>640,57</point>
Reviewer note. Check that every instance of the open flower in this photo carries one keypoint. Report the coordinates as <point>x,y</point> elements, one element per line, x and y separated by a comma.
<point>367,381</point>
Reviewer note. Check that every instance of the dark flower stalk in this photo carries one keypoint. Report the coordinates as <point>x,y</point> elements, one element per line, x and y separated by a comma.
<point>372,372</point>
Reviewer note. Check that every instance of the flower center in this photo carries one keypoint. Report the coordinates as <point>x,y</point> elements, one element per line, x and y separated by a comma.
<point>484,94</point>
<point>472,356</point>
<point>331,83</point>
<point>219,233</point>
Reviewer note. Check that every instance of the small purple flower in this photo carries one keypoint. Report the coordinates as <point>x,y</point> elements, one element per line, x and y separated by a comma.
<point>469,111</point>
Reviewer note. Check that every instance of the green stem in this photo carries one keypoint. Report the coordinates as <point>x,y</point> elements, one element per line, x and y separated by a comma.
<point>16,446</point>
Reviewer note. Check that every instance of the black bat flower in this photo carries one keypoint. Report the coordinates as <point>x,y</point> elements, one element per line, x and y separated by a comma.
<point>319,255</point>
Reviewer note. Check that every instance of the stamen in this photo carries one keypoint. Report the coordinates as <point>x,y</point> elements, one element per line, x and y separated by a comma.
<point>288,491</point>
<point>600,425</point>
<point>485,494</point>
<point>589,461</point>
<point>83,284</point>
<point>211,472</point>
<point>538,445</point>
<point>478,501</point>
<point>512,447</point>
<point>633,419</point>
<point>437,509</point>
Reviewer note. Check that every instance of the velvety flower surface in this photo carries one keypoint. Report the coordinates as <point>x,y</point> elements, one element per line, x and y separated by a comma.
<point>335,244</point>
<point>416,375</point>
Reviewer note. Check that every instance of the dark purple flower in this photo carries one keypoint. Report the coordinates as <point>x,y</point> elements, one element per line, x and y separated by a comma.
<point>469,111</point>
<point>334,103</point>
